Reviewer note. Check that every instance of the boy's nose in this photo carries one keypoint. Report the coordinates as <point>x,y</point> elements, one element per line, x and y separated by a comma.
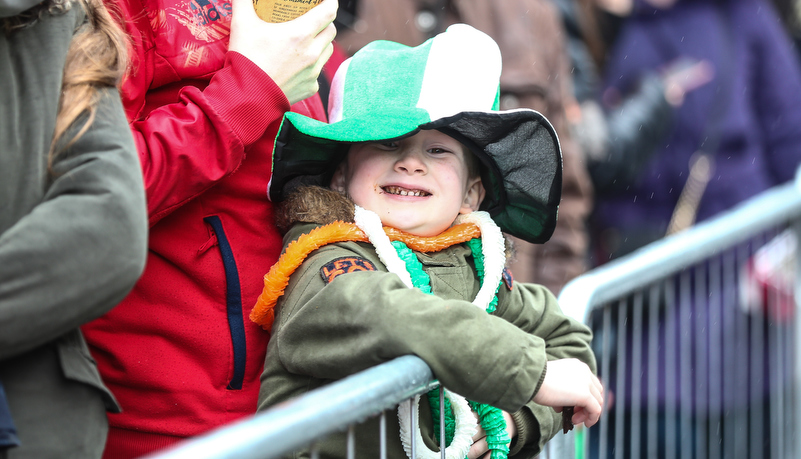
<point>411,161</point>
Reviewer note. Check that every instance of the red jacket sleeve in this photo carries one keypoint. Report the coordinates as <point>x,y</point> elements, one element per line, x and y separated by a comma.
<point>188,146</point>
<point>191,133</point>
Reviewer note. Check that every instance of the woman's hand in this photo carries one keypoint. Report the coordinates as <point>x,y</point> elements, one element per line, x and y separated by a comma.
<point>292,53</point>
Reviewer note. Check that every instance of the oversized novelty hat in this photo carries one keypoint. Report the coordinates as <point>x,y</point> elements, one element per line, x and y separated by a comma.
<point>388,91</point>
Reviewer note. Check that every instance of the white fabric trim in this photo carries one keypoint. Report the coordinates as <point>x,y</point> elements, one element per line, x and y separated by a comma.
<point>335,99</point>
<point>462,73</point>
<point>466,427</point>
<point>369,222</point>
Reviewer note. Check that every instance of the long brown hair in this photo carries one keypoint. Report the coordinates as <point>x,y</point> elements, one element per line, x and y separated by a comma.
<point>97,58</point>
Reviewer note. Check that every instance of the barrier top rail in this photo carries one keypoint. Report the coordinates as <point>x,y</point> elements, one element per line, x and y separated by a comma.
<point>673,253</point>
<point>296,423</point>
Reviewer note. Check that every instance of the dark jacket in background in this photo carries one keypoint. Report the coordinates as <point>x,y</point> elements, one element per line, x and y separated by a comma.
<point>759,102</point>
<point>617,139</point>
<point>753,107</point>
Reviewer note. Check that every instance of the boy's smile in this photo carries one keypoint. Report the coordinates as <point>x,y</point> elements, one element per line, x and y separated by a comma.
<point>419,184</point>
<point>397,190</point>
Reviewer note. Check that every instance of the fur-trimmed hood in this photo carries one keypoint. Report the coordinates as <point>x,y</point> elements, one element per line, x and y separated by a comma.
<point>313,204</point>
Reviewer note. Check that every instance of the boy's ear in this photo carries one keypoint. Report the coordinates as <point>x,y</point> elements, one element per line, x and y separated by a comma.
<point>474,196</point>
<point>338,179</point>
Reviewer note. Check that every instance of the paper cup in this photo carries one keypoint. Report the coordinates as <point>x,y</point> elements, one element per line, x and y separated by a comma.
<point>282,10</point>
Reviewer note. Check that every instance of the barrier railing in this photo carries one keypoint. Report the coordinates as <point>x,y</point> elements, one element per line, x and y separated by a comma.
<point>697,339</point>
<point>685,294</point>
<point>298,422</point>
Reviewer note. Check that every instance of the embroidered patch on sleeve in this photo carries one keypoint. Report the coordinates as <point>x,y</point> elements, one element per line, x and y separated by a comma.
<point>344,265</point>
<point>507,278</point>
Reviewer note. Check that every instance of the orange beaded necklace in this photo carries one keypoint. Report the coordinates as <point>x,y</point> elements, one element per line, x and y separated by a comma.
<point>276,280</point>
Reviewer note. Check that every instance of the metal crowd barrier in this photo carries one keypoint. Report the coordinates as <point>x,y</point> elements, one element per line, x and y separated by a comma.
<point>299,422</point>
<point>696,338</point>
<point>699,363</point>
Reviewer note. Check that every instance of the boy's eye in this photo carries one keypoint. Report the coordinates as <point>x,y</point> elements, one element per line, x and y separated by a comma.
<point>437,150</point>
<point>387,145</point>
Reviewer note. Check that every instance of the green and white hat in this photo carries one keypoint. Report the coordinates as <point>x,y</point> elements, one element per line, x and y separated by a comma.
<point>389,91</point>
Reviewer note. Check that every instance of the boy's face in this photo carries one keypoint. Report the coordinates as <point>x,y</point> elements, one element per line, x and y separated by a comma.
<point>419,184</point>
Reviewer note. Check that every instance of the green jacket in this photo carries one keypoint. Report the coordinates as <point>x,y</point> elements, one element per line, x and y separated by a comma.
<point>327,331</point>
<point>72,244</point>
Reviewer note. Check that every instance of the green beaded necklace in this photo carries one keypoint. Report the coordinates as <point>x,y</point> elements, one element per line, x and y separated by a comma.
<point>490,418</point>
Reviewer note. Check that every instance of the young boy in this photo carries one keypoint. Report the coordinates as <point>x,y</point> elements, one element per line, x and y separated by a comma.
<point>414,154</point>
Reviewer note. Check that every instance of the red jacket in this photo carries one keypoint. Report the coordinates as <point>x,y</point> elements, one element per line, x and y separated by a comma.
<point>179,352</point>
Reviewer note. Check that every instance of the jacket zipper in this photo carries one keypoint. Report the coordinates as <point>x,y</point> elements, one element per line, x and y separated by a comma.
<point>233,299</point>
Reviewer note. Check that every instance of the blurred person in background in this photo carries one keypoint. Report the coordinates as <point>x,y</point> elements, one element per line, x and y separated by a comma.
<point>73,223</point>
<point>618,133</point>
<point>743,123</point>
<point>732,136</point>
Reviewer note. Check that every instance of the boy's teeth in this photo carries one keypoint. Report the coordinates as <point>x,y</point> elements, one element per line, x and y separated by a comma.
<point>404,192</point>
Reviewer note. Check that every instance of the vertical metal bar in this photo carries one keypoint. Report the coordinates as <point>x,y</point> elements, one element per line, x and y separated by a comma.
<point>776,402</point>
<point>605,366</point>
<point>782,364</point>
<point>726,352</point>
<point>796,226</point>
<point>757,376</point>
<point>636,375</point>
<point>382,429</point>
<point>442,444</point>
<point>620,384</point>
<point>729,313</point>
<point>315,451</point>
<point>715,360</point>
<point>352,441</point>
<point>739,255</point>
<point>701,404</point>
<point>686,342</point>
<point>786,368</point>
<point>671,367</point>
<point>653,376</point>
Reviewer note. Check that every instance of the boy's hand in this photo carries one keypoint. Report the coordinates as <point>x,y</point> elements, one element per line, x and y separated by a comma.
<point>570,382</point>
<point>292,53</point>
<point>480,449</point>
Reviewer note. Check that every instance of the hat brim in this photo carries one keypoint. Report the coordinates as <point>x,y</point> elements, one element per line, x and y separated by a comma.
<point>519,149</point>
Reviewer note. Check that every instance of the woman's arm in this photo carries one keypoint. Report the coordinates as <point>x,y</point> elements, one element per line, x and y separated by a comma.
<point>14,7</point>
<point>80,251</point>
<point>189,145</point>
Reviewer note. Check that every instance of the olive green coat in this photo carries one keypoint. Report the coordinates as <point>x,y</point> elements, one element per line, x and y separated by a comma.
<point>73,241</point>
<point>327,331</point>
